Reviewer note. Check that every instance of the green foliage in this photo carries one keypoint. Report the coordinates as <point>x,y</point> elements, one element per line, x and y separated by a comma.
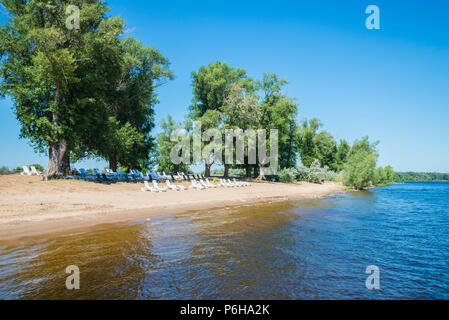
<point>288,175</point>
<point>314,174</point>
<point>279,112</point>
<point>37,166</point>
<point>359,171</point>
<point>165,145</point>
<point>422,176</point>
<point>56,76</point>
<point>385,176</point>
<point>342,155</point>
<point>4,170</point>
<point>306,141</point>
<point>211,84</point>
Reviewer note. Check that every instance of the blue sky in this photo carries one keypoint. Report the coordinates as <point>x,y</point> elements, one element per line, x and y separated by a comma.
<point>390,84</point>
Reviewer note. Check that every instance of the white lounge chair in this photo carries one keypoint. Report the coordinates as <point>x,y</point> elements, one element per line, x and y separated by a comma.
<point>148,188</point>
<point>35,172</point>
<point>223,183</point>
<point>26,171</point>
<point>207,185</point>
<point>210,184</point>
<point>174,186</point>
<point>233,184</point>
<point>243,183</point>
<point>195,185</point>
<point>159,188</point>
<point>238,183</point>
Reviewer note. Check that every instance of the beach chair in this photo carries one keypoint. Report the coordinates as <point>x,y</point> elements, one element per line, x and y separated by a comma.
<point>174,186</point>
<point>233,184</point>
<point>223,183</point>
<point>196,186</point>
<point>243,183</point>
<point>26,171</point>
<point>146,187</point>
<point>210,184</point>
<point>122,176</point>
<point>207,185</point>
<point>34,172</point>
<point>158,188</point>
<point>86,175</point>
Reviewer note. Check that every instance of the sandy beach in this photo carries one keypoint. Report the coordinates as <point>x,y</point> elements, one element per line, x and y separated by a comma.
<point>30,207</point>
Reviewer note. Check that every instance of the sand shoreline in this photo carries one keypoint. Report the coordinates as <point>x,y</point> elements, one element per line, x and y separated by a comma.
<point>32,208</point>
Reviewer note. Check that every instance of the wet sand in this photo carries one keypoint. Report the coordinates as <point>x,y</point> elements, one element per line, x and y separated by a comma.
<point>30,207</point>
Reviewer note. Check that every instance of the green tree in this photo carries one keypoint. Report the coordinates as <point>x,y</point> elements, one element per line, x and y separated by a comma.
<point>129,112</point>
<point>211,84</point>
<point>241,110</point>
<point>165,146</point>
<point>326,150</point>
<point>306,141</point>
<point>55,74</point>
<point>342,154</point>
<point>360,168</point>
<point>279,112</point>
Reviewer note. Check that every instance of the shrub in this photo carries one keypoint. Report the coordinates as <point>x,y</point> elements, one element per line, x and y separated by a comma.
<point>360,170</point>
<point>314,174</point>
<point>37,166</point>
<point>288,175</point>
<point>4,170</point>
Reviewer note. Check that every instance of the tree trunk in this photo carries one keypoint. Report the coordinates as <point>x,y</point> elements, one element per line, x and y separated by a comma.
<point>261,176</point>
<point>226,171</point>
<point>248,170</point>
<point>207,169</point>
<point>113,163</point>
<point>59,162</point>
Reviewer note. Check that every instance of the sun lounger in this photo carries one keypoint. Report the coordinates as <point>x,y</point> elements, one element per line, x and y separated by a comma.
<point>234,184</point>
<point>35,172</point>
<point>148,188</point>
<point>210,184</point>
<point>26,171</point>
<point>155,186</point>
<point>207,185</point>
<point>225,184</point>
<point>196,186</point>
<point>243,183</point>
<point>174,186</point>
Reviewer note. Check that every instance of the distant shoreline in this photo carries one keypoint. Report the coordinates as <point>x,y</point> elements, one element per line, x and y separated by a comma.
<point>30,207</point>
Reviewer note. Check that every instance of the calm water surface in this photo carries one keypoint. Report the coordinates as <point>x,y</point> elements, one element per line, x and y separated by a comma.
<point>295,250</point>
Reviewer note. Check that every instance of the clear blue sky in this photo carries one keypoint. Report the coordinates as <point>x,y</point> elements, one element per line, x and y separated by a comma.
<point>390,84</point>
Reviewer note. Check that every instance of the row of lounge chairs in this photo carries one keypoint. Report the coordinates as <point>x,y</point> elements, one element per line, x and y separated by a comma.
<point>31,171</point>
<point>197,185</point>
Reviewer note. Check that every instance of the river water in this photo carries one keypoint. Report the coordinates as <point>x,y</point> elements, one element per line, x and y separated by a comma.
<point>317,249</point>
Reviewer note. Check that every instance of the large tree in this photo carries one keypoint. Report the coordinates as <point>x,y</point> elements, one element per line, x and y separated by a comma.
<point>166,145</point>
<point>211,84</point>
<point>56,74</point>
<point>279,112</point>
<point>241,111</point>
<point>128,117</point>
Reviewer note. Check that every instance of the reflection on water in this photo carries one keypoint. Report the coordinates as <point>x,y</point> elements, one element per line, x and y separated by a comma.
<point>313,249</point>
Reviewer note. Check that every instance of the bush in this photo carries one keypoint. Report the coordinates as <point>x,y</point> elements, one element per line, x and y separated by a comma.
<point>4,170</point>
<point>288,175</point>
<point>37,166</point>
<point>360,170</point>
<point>314,174</point>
